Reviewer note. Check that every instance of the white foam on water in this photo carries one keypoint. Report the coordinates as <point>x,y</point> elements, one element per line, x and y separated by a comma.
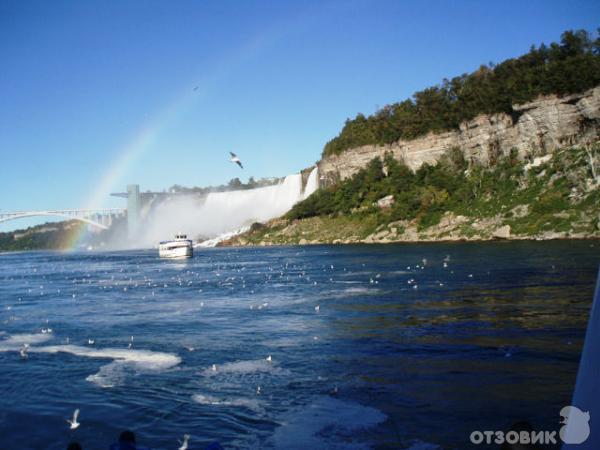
<point>143,359</point>
<point>110,374</point>
<point>361,290</point>
<point>347,292</point>
<point>326,423</point>
<point>245,367</point>
<point>16,341</point>
<point>222,237</point>
<point>239,402</point>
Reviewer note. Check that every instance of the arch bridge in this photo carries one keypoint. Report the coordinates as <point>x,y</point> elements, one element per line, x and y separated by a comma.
<point>100,218</point>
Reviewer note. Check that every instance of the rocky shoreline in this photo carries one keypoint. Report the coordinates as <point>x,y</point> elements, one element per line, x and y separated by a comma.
<point>451,228</point>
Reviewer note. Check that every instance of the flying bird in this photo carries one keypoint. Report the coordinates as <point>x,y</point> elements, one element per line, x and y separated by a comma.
<point>235,159</point>
<point>73,422</point>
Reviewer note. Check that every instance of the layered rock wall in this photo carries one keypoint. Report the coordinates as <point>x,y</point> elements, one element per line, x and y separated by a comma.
<point>538,127</point>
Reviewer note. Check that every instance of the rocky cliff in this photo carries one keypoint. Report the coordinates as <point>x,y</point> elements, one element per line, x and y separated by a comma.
<point>538,127</point>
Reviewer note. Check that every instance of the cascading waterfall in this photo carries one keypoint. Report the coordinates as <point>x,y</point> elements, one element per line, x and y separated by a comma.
<point>224,213</point>
<point>312,184</point>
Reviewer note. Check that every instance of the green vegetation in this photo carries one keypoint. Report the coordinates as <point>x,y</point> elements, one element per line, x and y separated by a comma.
<point>558,195</point>
<point>49,236</point>
<point>58,236</point>
<point>235,184</point>
<point>571,66</point>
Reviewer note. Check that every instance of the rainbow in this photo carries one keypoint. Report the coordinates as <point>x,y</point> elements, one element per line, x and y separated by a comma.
<point>143,139</point>
<point>129,155</point>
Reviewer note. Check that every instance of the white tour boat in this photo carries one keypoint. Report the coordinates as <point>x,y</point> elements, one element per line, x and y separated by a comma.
<point>180,247</point>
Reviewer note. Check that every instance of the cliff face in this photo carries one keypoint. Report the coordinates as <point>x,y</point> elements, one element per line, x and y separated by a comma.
<point>538,127</point>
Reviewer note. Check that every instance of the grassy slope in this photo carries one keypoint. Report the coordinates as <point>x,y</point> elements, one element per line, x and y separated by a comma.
<point>449,201</point>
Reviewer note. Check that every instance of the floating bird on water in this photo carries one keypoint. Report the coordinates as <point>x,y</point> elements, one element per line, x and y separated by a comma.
<point>235,159</point>
<point>317,308</point>
<point>334,391</point>
<point>73,422</point>
<point>24,350</point>
<point>184,444</point>
<point>91,341</point>
<point>269,359</point>
<point>214,367</point>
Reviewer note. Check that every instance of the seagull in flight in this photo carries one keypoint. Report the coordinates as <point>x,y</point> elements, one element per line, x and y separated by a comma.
<point>235,159</point>
<point>73,422</point>
<point>184,444</point>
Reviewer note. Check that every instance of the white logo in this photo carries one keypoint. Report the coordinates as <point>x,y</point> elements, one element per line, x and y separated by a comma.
<point>576,428</point>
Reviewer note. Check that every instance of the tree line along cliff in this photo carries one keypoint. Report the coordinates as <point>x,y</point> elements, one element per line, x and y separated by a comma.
<point>569,66</point>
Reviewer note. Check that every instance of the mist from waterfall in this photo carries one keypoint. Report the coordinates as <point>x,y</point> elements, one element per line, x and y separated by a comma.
<point>220,213</point>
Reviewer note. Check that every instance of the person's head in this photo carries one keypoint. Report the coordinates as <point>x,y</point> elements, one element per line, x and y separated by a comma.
<point>127,436</point>
<point>74,446</point>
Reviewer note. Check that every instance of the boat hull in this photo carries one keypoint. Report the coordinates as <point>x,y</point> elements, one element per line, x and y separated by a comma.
<point>176,250</point>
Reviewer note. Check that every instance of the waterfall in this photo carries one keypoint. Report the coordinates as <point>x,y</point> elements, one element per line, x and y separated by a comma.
<point>312,184</point>
<point>221,213</point>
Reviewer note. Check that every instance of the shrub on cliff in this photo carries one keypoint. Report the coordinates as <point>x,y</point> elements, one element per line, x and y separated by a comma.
<point>571,66</point>
<point>562,184</point>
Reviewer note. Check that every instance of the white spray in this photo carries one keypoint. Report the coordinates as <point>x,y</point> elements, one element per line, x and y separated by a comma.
<point>221,213</point>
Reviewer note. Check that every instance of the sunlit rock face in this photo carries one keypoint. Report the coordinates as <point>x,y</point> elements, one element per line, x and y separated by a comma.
<point>538,127</point>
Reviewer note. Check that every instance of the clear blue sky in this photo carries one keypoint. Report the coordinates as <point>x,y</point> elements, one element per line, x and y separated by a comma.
<point>95,95</point>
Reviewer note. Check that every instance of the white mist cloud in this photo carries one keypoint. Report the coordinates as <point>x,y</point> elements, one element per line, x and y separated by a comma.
<point>221,212</point>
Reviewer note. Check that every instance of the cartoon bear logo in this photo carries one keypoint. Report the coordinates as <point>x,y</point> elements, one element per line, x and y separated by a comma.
<point>576,428</point>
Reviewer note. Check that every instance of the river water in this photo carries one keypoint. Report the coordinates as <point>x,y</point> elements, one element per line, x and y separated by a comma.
<point>411,346</point>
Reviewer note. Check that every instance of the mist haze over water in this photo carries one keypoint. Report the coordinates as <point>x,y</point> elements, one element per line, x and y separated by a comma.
<point>492,339</point>
<point>221,212</point>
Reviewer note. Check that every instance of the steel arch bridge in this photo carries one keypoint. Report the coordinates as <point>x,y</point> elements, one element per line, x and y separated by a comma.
<point>101,218</point>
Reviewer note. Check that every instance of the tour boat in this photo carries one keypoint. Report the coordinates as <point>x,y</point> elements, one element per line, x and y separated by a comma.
<point>180,247</point>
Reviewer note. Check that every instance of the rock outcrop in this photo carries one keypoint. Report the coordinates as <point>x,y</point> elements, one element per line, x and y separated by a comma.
<point>538,127</point>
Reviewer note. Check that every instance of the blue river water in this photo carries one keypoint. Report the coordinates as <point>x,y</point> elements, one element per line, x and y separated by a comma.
<point>392,346</point>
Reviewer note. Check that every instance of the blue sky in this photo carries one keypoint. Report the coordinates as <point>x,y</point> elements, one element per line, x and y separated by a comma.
<point>95,95</point>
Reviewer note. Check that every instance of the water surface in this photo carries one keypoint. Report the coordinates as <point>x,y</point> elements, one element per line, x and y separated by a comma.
<point>411,346</point>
